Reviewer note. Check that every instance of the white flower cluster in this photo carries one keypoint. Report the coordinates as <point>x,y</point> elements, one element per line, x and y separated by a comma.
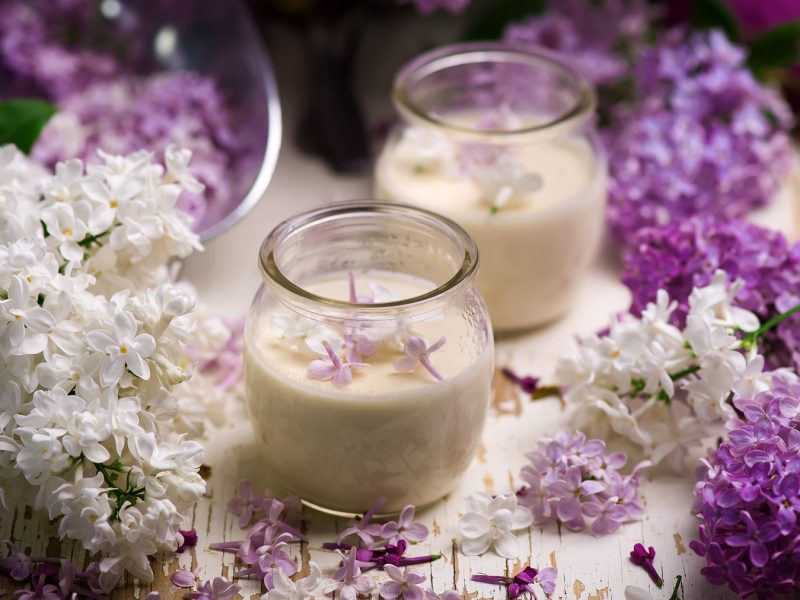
<point>664,388</point>
<point>93,338</point>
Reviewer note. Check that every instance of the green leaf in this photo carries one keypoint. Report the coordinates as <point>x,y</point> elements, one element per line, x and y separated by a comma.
<point>708,14</point>
<point>491,22</point>
<point>775,48</point>
<point>21,122</point>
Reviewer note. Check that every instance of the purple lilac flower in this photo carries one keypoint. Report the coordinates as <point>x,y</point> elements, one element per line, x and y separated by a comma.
<point>378,558</point>
<point>348,580</point>
<point>684,255</point>
<point>447,595</point>
<point>366,531</point>
<point>334,368</point>
<point>189,540</point>
<point>418,352</point>
<point>218,589</point>
<point>402,584</point>
<point>426,7</point>
<point>596,37</point>
<point>644,558</point>
<point>570,479</point>
<point>40,591</point>
<point>757,16</point>
<point>405,528</point>
<point>704,139</point>
<point>748,497</point>
<point>522,582</point>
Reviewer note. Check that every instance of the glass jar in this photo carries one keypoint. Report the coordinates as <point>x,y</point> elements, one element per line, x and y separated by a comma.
<point>368,355</point>
<point>500,139</point>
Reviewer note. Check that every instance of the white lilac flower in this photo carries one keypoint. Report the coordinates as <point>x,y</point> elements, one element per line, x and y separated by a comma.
<point>24,321</point>
<point>302,589</point>
<point>489,522</point>
<point>124,348</point>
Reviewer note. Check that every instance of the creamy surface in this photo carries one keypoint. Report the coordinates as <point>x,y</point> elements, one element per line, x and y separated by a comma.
<point>537,246</point>
<point>406,437</point>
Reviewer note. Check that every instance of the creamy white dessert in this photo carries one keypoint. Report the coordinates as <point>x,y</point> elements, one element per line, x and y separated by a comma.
<point>403,435</point>
<point>536,213</point>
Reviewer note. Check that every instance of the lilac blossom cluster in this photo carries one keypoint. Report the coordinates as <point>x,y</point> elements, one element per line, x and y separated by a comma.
<point>572,479</point>
<point>684,255</point>
<point>703,138</point>
<point>130,113</point>
<point>598,38</point>
<point>748,497</point>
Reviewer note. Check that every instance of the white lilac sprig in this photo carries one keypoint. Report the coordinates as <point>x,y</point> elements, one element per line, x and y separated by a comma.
<point>570,479</point>
<point>490,522</point>
<point>663,387</point>
<point>93,339</point>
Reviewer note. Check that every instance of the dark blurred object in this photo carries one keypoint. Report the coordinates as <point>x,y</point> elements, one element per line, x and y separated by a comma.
<point>332,124</point>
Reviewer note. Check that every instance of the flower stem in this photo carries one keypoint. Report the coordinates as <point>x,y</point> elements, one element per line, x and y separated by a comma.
<point>684,373</point>
<point>752,337</point>
<point>674,595</point>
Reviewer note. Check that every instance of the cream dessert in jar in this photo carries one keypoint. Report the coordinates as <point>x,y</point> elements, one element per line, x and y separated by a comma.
<point>499,140</point>
<point>368,357</point>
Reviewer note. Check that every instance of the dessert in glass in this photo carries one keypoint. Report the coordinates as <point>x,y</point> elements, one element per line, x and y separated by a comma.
<point>369,356</point>
<point>500,139</point>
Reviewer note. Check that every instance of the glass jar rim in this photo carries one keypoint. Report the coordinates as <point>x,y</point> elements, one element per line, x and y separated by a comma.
<point>453,55</point>
<point>272,273</point>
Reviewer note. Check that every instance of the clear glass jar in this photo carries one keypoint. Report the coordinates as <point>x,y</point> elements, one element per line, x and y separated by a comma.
<point>368,355</point>
<point>500,140</point>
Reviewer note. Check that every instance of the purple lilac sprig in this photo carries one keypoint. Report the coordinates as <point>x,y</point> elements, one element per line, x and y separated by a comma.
<point>704,138</point>
<point>571,479</point>
<point>748,497</point>
<point>523,582</point>
<point>683,255</point>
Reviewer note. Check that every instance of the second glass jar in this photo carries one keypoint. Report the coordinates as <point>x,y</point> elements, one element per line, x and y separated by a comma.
<point>500,140</point>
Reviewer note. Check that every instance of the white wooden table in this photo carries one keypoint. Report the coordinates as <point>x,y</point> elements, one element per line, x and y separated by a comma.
<point>589,569</point>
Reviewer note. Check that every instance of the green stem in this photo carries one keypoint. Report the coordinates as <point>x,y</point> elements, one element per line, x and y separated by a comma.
<point>684,373</point>
<point>751,338</point>
<point>674,595</point>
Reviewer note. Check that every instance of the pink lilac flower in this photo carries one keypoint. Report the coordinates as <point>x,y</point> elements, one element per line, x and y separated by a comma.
<point>644,558</point>
<point>570,479</point>
<point>183,578</point>
<point>334,368</point>
<point>597,38</point>
<point>270,557</point>
<point>704,138</point>
<point>405,528</point>
<point>523,582</point>
<point>748,497</point>
<point>402,584</point>
<point>685,254</point>
<point>218,589</point>
<point>418,352</point>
